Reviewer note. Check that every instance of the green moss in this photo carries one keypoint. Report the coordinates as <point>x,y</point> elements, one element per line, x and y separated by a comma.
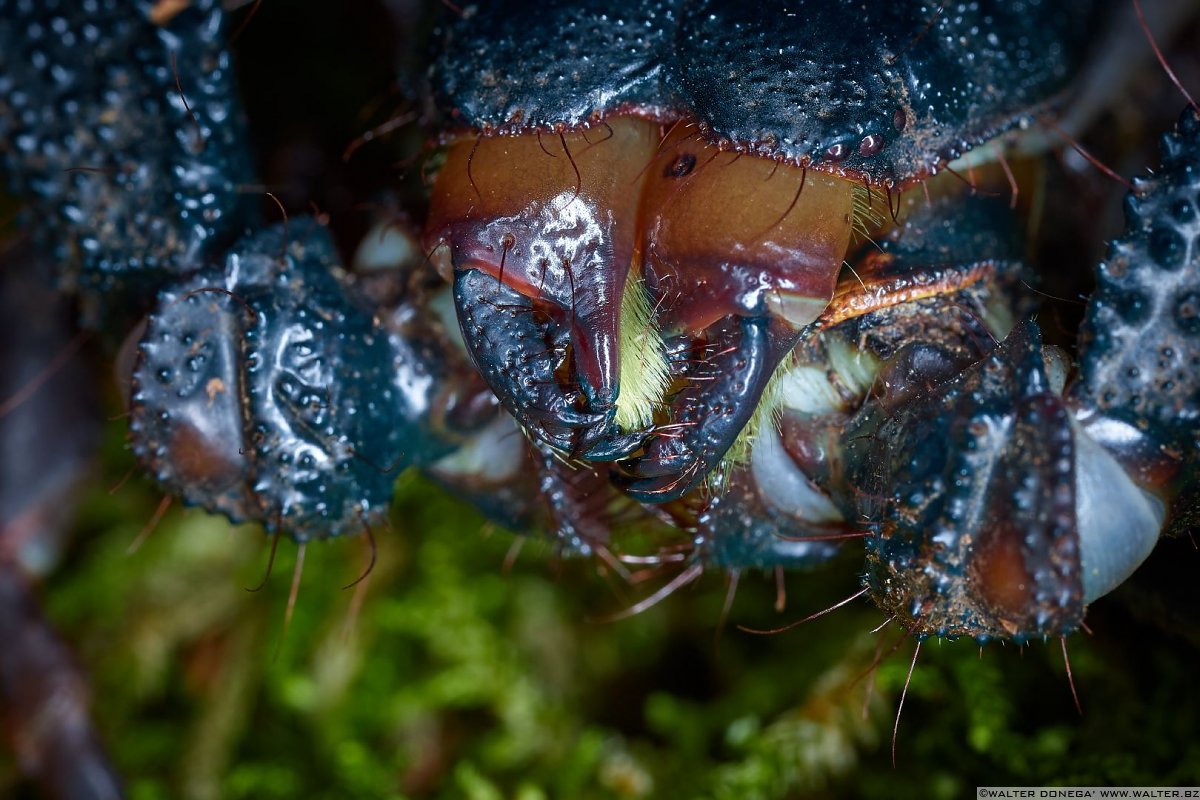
<point>455,679</point>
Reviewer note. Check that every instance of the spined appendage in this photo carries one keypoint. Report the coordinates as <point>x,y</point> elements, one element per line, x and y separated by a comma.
<point>265,392</point>
<point>1005,505</point>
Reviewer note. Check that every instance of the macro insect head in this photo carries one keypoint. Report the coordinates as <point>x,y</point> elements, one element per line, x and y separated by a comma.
<point>757,301</point>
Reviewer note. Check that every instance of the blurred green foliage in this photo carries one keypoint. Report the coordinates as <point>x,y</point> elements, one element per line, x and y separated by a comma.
<point>456,678</point>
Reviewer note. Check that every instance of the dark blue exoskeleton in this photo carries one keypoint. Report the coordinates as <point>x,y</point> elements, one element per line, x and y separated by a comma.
<point>882,96</point>
<point>665,302</point>
<point>889,91</point>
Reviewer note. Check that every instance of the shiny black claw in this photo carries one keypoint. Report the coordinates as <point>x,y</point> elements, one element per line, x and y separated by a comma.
<point>706,417</point>
<point>609,446</point>
<point>520,352</point>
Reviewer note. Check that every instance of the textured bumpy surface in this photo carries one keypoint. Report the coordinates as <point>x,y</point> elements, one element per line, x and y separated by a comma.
<point>125,133</point>
<point>455,680</point>
<point>745,350</point>
<point>977,518</point>
<point>525,343</point>
<point>263,392</point>
<point>889,90</point>
<point>1140,340</point>
<point>530,64</point>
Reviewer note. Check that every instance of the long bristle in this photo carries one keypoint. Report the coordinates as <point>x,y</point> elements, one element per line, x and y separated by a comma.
<point>864,217</point>
<point>645,375</point>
